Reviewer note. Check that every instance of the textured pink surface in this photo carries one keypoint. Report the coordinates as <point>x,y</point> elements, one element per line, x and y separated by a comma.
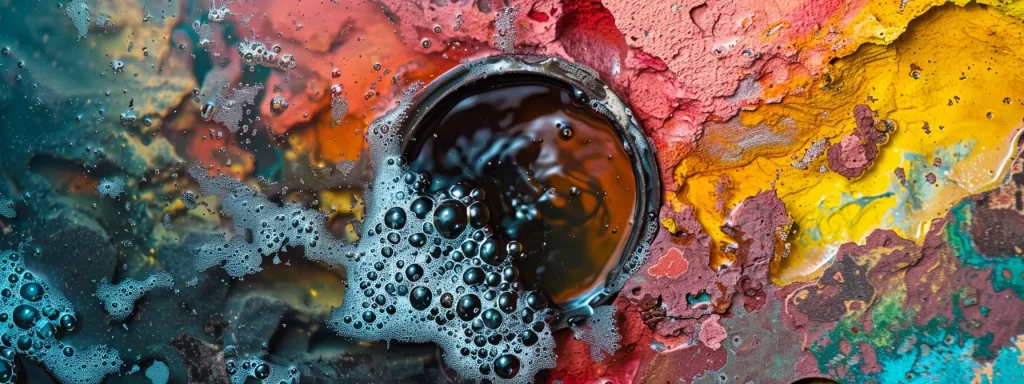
<point>678,64</point>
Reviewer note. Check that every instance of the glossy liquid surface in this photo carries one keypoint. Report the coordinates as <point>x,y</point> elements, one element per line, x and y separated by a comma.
<point>555,173</point>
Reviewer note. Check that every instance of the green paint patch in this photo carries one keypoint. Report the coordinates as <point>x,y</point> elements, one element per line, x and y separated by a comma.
<point>939,351</point>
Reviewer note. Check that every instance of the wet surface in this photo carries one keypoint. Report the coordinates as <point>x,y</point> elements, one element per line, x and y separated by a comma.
<point>556,174</point>
<point>842,193</point>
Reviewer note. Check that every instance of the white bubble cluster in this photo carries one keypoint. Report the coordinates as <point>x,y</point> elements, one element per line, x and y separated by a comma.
<point>230,109</point>
<point>103,21</point>
<point>339,107</point>
<point>599,331</point>
<point>78,12</point>
<point>345,167</point>
<point>34,313</point>
<point>111,188</point>
<point>264,229</point>
<point>426,269</point>
<point>205,33</point>
<point>119,299</point>
<point>218,13</point>
<point>267,372</point>
<point>86,366</point>
<point>254,52</point>
<point>505,30</point>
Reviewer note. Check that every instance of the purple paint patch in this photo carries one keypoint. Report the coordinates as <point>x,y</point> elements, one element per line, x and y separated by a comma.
<point>855,153</point>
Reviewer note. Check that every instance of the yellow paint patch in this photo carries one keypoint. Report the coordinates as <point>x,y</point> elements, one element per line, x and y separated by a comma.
<point>955,69</point>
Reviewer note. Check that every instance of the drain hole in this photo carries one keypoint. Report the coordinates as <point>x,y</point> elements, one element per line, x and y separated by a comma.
<point>556,173</point>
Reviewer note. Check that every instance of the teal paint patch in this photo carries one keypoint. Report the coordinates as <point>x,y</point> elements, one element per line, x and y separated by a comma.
<point>701,298</point>
<point>938,352</point>
<point>914,193</point>
<point>1007,367</point>
<point>943,358</point>
<point>1006,270</point>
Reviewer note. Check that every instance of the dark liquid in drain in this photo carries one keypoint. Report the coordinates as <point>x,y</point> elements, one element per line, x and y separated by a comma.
<point>555,172</point>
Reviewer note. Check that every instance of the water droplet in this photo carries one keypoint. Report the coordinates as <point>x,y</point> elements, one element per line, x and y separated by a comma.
<point>262,371</point>
<point>492,318</point>
<point>25,316</point>
<point>468,307</point>
<point>450,218</point>
<point>32,291</point>
<point>395,218</point>
<point>473,276</point>
<point>506,366</point>
<point>566,132</point>
<point>421,207</point>
<point>507,301</point>
<point>479,215</point>
<point>420,298</point>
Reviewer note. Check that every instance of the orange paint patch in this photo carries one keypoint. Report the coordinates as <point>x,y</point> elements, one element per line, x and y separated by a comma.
<point>672,264</point>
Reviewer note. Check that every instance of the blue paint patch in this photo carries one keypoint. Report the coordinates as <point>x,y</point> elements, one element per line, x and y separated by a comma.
<point>1006,367</point>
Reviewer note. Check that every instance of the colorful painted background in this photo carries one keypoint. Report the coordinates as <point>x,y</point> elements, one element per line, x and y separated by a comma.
<point>843,187</point>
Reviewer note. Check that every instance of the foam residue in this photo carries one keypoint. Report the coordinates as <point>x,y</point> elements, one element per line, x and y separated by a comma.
<point>339,107</point>
<point>119,299</point>
<point>263,228</point>
<point>189,200</point>
<point>345,167</point>
<point>254,52</point>
<point>7,208</point>
<point>103,21</point>
<point>34,314</point>
<point>158,373</point>
<point>205,33</point>
<point>231,108</point>
<point>599,331</point>
<point>264,371</point>
<point>218,12</point>
<point>423,270</point>
<point>78,12</point>
<point>111,188</point>
<point>505,30</point>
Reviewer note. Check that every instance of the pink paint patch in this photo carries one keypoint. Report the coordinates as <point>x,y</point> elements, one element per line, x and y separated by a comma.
<point>672,264</point>
<point>712,333</point>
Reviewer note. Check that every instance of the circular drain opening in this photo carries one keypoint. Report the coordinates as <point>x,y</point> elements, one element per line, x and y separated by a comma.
<point>566,170</point>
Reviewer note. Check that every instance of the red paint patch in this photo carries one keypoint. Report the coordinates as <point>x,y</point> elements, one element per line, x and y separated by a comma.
<point>538,16</point>
<point>672,264</point>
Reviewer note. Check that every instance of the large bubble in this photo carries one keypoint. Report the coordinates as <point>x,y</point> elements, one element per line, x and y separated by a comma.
<point>34,313</point>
